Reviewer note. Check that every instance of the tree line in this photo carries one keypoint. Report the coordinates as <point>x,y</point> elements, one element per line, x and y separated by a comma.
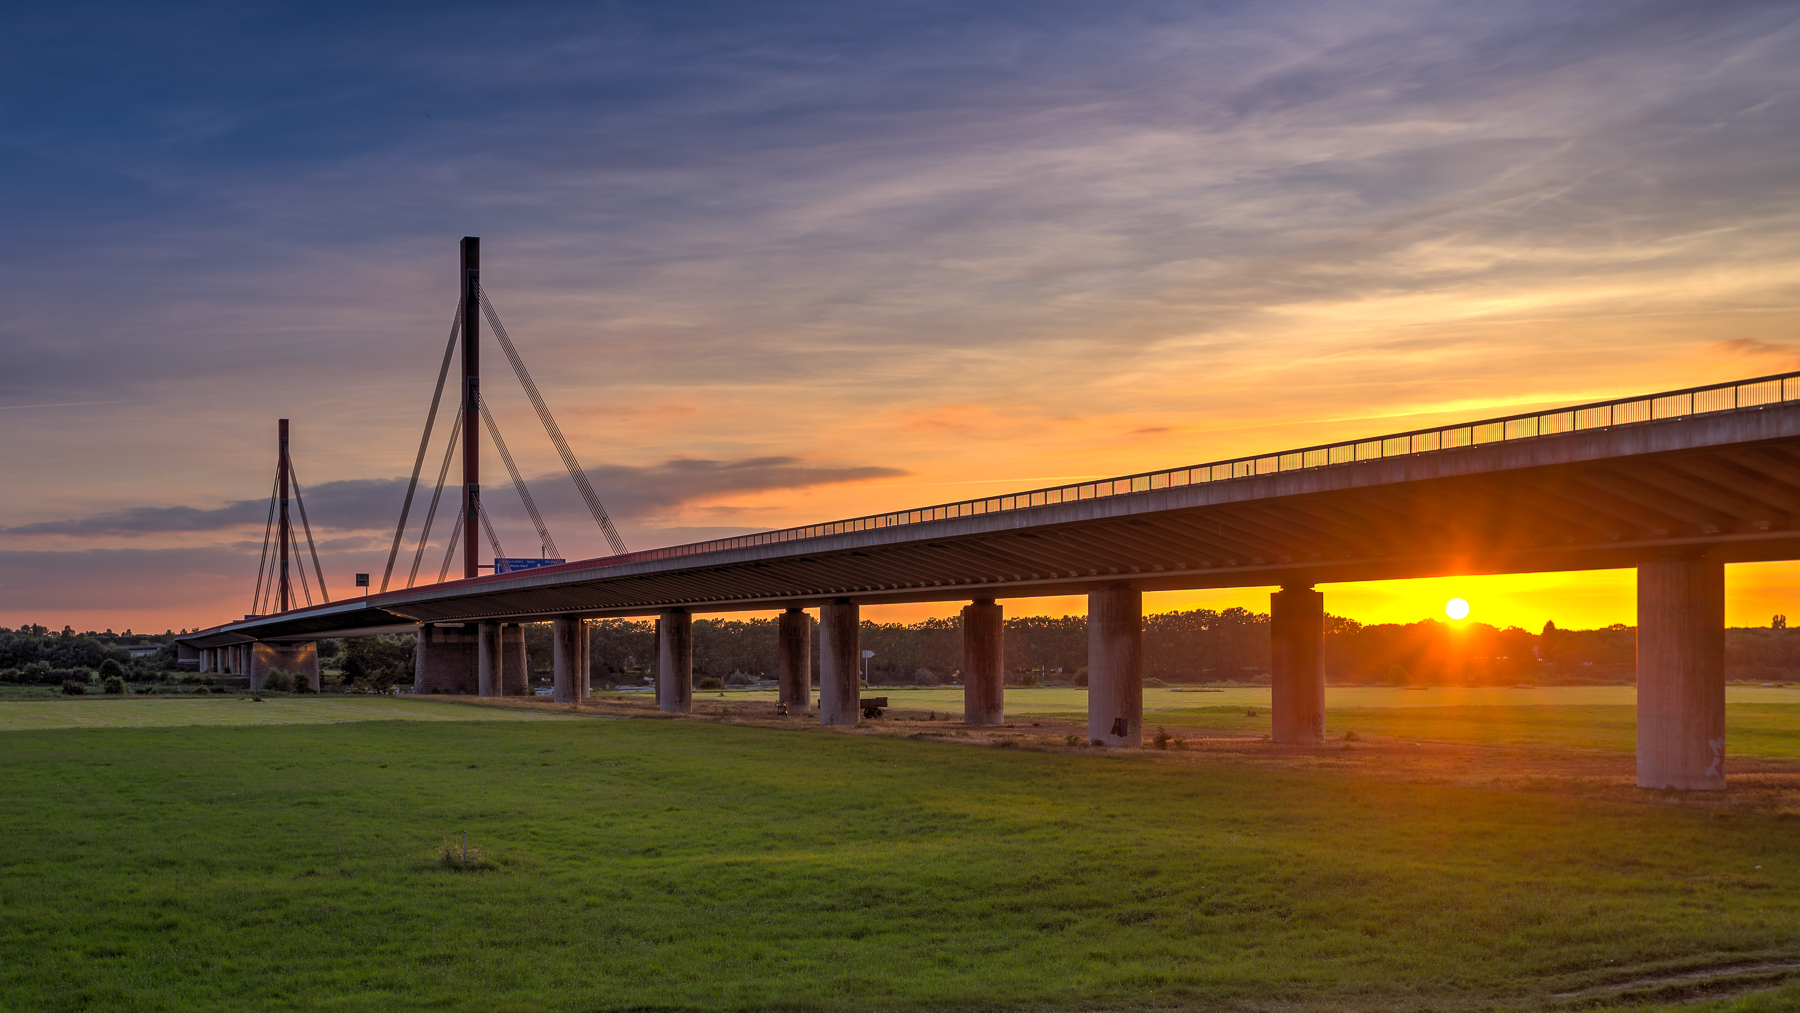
<point>1198,645</point>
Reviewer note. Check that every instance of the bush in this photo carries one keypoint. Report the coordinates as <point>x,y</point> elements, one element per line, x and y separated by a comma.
<point>114,684</point>
<point>302,682</point>
<point>1081,678</point>
<point>278,681</point>
<point>74,688</point>
<point>203,691</point>
<point>709,683</point>
<point>111,669</point>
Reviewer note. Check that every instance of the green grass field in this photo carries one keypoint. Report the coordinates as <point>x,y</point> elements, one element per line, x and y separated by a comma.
<point>1759,722</point>
<point>283,855</point>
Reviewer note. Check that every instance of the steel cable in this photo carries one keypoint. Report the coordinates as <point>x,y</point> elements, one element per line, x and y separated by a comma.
<point>430,514</point>
<point>449,553</point>
<point>579,476</point>
<point>304,523</point>
<point>493,539</point>
<point>424,441</point>
<point>518,481</point>
<point>263,561</point>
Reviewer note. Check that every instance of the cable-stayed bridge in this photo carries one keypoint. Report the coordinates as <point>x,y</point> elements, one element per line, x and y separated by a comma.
<point>1675,485</point>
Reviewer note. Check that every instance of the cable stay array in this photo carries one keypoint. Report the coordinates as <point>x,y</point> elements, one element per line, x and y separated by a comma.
<point>464,433</point>
<point>274,588</point>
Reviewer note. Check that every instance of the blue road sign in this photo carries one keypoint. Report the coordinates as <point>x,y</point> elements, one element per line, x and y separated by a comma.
<point>512,565</point>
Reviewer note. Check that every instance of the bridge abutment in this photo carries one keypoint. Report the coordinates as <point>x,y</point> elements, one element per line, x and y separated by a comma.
<point>1116,666</point>
<point>840,663</point>
<point>1297,664</point>
<point>984,663</point>
<point>1681,674</point>
<point>675,662</point>
<point>793,659</point>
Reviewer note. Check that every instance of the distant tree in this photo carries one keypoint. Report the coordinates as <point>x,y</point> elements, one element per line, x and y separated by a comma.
<point>377,663</point>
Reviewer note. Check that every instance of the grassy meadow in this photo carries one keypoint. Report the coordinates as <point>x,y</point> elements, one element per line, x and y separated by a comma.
<point>284,855</point>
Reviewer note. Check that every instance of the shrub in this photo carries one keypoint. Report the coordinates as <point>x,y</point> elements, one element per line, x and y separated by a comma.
<point>302,683</point>
<point>203,691</point>
<point>278,681</point>
<point>72,687</point>
<point>1081,677</point>
<point>114,684</point>
<point>1161,738</point>
<point>709,683</point>
<point>459,857</point>
<point>111,669</point>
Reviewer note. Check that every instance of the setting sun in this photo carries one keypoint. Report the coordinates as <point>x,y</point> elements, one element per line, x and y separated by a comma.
<point>1456,608</point>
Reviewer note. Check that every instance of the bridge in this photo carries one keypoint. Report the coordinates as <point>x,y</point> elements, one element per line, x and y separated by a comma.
<point>1675,485</point>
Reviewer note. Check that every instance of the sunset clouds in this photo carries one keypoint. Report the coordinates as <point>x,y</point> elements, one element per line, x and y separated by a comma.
<point>777,263</point>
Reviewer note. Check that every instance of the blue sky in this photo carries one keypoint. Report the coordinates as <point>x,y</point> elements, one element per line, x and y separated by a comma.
<point>773,263</point>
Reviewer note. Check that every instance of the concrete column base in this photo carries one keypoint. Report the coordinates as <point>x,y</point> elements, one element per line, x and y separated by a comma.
<point>1116,666</point>
<point>490,661</point>
<point>445,660</point>
<point>984,663</point>
<point>1297,665</point>
<point>515,671</point>
<point>840,664</point>
<point>675,662</point>
<point>565,655</point>
<point>1681,675</point>
<point>793,660</point>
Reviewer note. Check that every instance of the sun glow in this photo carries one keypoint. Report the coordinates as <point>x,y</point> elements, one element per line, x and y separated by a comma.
<point>1456,608</point>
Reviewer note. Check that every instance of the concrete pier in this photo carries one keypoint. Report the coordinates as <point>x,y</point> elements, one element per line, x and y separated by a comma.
<point>515,672</point>
<point>1116,666</point>
<point>490,664</point>
<point>584,672</point>
<point>793,660</point>
<point>675,662</point>
<point>297,658</point>
<point>984,663</point>
<point>1297,664</point>
<point>445,660</point>
<point>1681,674</point>
<point>840,663</point>
<point>565,658</point>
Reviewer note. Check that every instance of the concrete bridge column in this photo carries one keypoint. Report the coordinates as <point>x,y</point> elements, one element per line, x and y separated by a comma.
<point>584,679</point>
<point>793,659</point>
<point>565,659</point>
<point>490,663</point>
<point>446,660</point>
<point>840,663</point>
<point>515,671</point>
<point>205,660</point>
<point>1297,664</point>
<point>1116,666</point>
<point>675,662</point>
<point>1681,674</point>
<point>984,663</point>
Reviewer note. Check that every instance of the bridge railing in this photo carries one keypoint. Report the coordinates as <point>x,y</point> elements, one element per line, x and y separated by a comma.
<point>1597,415</point>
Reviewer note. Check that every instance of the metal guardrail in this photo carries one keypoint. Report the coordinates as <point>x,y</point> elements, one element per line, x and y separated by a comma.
<point>1597,415</point>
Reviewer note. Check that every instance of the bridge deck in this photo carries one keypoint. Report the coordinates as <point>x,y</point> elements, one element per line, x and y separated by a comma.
<point>1713,472</point>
